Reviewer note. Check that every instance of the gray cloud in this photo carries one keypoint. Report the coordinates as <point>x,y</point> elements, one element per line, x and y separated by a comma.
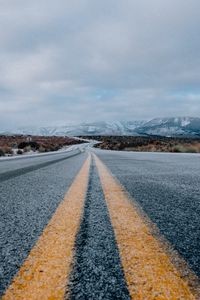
<point>98,60</point>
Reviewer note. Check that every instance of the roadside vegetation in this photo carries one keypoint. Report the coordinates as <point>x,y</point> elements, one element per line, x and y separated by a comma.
<point>148,144</point>
<point>21,144</point>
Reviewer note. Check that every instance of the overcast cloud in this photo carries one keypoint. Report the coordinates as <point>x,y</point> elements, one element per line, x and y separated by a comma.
<point>85,60</point>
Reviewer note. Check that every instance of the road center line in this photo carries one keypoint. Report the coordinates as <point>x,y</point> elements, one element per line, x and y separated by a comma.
<point>45,272</point>
<point>97,271</point>
<point>148,270</point>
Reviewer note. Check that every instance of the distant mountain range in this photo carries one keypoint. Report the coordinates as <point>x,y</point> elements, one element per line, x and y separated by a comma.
<point>180,126</point>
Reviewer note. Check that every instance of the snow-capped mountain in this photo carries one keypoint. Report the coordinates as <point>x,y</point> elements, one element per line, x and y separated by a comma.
<point>180,126</point>
<point>95,128</point>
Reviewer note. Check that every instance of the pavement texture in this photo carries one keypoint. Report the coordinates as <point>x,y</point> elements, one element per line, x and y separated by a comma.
<point>24,161</point>
<point>167,188</point>
<point>164,186</point>
<point>27,202</point>
<point>97,272</point>
<point>23,170</point>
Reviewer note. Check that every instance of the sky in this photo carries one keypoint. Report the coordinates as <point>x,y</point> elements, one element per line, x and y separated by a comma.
<point>65,62</point>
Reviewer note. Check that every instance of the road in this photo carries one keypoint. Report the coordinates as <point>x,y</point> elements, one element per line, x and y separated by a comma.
<point>128,227</point>
<point>31,188</point>
<point>167,187</point>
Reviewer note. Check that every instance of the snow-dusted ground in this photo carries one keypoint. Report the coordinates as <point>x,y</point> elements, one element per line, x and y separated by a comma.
<point>37,154</point>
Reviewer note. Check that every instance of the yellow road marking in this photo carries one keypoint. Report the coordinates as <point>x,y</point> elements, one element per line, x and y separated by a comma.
<point>45,272</point>
<point>148,270</point>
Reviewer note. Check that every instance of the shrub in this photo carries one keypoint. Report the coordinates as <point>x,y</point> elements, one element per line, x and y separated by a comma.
<point>178,149</point>
<point>27,149</point>
<point>22,145</point>
<point>8,150</point>
<point>19,151</point>
<point>33,145</point>
<point>190,149</point>
<point>2,153</point>
<point>41,149</point>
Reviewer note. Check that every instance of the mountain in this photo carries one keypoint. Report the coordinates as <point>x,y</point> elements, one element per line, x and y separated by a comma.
<point>95,128</point>
<point>180,126</point>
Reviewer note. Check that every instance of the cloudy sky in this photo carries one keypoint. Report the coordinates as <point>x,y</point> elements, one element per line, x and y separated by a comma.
<point>85,60</point>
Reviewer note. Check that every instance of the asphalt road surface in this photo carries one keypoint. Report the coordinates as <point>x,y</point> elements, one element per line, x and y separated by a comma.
<point>30,191</point>
<point>165,186</point>
<point>97,265</point>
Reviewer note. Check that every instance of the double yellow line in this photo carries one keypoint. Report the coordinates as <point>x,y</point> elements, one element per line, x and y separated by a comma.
<point>148,269</point>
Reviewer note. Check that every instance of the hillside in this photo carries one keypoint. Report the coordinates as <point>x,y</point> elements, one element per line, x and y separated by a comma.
<point>177,127</point>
